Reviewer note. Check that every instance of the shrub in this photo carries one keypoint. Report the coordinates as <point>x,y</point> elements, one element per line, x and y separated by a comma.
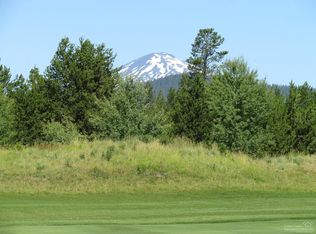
<point>129,112</point>
<point>64,133</point>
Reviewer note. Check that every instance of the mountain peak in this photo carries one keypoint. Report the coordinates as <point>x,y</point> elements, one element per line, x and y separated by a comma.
<point>154,66</point>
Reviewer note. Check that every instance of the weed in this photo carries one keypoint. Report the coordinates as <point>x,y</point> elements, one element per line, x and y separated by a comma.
<point>165,140</point>
<point>140,170</point>
<point>297,160</point>
<point>98,173</point>
<point>93,153</point>
<point>40,167</point>
<point>68,163</point>
<point>55,156</point>
<point>108,154</point>
<point>122,146</point>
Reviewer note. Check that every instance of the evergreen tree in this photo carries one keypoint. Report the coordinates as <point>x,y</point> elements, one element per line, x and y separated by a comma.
<point>166,84</point>
<point>5,77</point>
<point>171,98</point>
<point>78,75</point>
<point>7,131</point>
<point>30,98</point>
<point>190,111</point>
<point>205,55</point>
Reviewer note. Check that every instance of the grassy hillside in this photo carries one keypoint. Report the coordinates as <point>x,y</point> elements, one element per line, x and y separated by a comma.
<point>132,166</point>
<point>134,187</point>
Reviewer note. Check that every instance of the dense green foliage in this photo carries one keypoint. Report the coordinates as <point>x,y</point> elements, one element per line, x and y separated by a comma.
<point>31,112</point>
<point>165,84</point>
<point>191,113</point>
<point>244,114</point>
<point>81,94</point>
<point>79,75</point>
<point>132,110</point>
<point>56,132</point>
<point>173,82</point>
<point>7,130</point>
<point>301,114</point>
<point>232,108</point>
<point>189,110</point>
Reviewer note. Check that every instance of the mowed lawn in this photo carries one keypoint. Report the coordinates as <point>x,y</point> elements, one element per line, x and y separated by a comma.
<point>189,212</point>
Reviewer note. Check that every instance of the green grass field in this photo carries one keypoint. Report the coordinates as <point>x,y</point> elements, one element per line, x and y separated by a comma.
<point>198,212</point>
<point>133,187</point>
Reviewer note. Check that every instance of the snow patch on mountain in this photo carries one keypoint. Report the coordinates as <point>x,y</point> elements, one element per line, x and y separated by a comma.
<point>154,66</point>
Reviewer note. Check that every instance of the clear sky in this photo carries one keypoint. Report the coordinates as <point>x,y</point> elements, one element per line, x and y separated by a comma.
<point>276,37</point>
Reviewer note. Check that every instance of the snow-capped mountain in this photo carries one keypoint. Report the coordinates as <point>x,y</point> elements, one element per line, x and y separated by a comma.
<point>154,66</point>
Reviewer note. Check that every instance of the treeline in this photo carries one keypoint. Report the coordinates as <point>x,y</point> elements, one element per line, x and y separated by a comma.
<point>173,81</point>
<point>81,95</point>
<point>165,84</point>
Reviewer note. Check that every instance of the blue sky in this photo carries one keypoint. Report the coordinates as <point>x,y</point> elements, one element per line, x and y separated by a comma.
<point>276,37</point>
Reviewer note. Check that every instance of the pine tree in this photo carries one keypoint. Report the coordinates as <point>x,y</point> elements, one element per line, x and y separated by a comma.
<point>5,77</point>
<point>190,115</point>
<point>205,55</point>
<point>30,108</point>
<point>7,132</point>
<point>79,75</point>
<point>191,112</point>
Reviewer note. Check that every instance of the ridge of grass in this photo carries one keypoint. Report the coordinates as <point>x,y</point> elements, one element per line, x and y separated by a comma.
<point>132,166</point>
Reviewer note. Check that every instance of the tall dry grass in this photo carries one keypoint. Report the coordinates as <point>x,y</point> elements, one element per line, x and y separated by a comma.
<point>131,165</point>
